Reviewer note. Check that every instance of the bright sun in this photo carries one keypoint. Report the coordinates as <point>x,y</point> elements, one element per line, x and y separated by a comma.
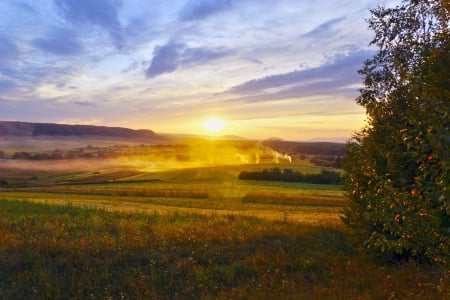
<point>213,125</point>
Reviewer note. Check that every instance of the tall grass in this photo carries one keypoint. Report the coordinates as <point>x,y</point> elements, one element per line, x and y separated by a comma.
<point>122,191</point>
<point>64,252</point>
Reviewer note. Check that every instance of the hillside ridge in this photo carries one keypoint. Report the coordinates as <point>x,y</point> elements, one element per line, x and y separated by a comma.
<point>26,129</point>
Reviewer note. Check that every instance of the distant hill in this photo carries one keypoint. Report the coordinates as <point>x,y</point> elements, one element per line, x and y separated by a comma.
<point>31,130</point>
<point>187,136</point>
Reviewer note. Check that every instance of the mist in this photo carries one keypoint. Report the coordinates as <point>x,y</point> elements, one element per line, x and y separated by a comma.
<point>140,157</point>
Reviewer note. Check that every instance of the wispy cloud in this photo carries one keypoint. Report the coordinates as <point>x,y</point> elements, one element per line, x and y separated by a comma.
<point>102,13</point>
<point>171,56</point>
<point>24,7</point>
<point>325,29</point>
<point>199,9</point>
<point>8,51</point>
<point>60,41</point>
<point>6,86</point>
<point>338,76</point>
<point>29,78</point>
<point>83,103</point>
<point>195,56</point>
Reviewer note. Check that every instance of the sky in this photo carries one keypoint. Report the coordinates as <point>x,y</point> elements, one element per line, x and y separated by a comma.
<point>284,69</point>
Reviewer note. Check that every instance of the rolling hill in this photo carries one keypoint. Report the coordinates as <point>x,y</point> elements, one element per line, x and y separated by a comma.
<point>35,130</point>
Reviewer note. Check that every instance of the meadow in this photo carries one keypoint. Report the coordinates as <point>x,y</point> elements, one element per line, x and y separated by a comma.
<point>101,231</point>
<point>203,190</point>
<point>66,252</point>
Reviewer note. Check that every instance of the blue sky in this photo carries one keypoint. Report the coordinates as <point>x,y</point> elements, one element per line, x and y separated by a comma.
<point>280,68</point>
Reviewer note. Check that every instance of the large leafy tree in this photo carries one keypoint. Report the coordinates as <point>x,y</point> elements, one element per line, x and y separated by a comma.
<point>398,165</point>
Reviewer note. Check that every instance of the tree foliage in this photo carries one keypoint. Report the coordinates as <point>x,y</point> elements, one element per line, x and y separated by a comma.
<point>398,165</point>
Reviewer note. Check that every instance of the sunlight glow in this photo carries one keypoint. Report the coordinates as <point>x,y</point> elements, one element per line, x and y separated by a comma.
<point>213,125</point>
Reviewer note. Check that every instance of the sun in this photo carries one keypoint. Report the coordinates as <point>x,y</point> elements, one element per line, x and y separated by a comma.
<point>213,125</point>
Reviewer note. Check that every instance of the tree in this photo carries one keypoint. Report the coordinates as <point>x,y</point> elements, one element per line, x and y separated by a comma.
<point>398,165</point>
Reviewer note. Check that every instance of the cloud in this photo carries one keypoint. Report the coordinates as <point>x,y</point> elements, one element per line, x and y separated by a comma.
<point>25,7</point>
<point>132,67</point>
<point>29,78</point>
<point>199,9</point>
<point>103,13</point>
<point>46,110</point>
<point>83,103</point>
<point>325,29</point>
<point>254,60</point>
<point>195,56</point>
<point>8,51</point>
<point>338,76</point>
<point>171,56</point>
<point>60,42</point>
<point>165,60</point>
<point>7,86</point>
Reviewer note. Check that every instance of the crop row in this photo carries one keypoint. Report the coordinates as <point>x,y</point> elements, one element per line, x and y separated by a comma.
<point>290,199</point>
<point>114,191</point>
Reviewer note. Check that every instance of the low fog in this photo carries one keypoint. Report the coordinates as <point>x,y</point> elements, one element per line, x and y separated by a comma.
<point>141,157</point>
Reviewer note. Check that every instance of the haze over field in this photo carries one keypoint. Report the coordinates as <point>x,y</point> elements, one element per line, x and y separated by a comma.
<point>263,68</point>
<point>90,147</point>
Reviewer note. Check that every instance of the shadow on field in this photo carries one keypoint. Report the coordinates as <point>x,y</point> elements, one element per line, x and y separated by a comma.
<point>67,252</point>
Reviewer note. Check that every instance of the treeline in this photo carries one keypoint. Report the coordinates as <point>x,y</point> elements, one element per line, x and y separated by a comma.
<point>289,175</point>
<point>87,152</point>
<point>307,148</point>
<point>327,161</point>
<point>59,155</point>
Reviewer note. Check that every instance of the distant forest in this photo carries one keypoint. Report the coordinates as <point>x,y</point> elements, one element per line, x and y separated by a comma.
<point>308,148</point>
<point>25,129</point>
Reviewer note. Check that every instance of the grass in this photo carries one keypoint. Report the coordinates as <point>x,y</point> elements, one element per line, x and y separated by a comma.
<point>196,233</point>
<point>207,190</point>
<point>284,199</point>
<point>66,252</point>
<point>305,214</point>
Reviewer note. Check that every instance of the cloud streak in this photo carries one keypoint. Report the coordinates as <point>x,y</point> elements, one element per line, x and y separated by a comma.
<point>60,42</point>
<point>102,13</point>
<point>170,57</point>
<point>8,52</point>
<point>7,86</point>
<point>200,9</point>
<point>325,29</point>
<point>338,76</point>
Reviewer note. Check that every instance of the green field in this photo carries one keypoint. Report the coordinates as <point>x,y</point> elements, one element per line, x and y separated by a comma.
<point>104,231</point>
<point>204,190</point>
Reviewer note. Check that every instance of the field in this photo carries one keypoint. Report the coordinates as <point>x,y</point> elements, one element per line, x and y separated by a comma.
<point>201,190</point>
<point>93,229</point>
